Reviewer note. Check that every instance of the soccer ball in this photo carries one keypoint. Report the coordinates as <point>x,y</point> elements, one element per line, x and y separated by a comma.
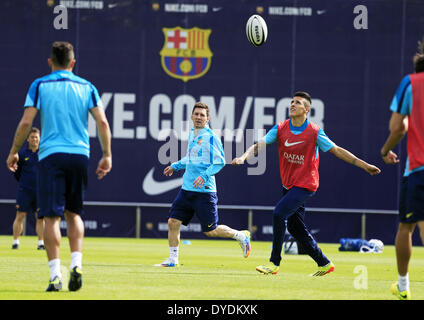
<point>256,30</point>
<point>377,244</point>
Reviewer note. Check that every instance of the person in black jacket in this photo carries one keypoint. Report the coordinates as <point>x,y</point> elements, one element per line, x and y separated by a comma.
<point>26,199</point>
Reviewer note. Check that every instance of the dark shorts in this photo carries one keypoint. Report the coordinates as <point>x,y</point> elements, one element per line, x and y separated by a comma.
<point>26,200</point>
<point>62,181</point>
<point>411,202</point>
<point>203,204</point>
<point>292,202</point>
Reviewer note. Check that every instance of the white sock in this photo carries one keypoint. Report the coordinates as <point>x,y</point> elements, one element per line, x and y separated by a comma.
<point>54,266</point>
<point>403,282</point>
<point>76,260</point>
<point>240,236</point>
<point>41,242</point>
<point>16,241</point>
<point>173,253</point>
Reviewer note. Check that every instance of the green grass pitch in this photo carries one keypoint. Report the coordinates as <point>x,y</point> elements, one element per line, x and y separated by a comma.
<point>122,269</point>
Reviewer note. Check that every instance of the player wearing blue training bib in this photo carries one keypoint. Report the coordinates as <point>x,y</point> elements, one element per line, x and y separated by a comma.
<point>204,159</point>
<point>64,101</point>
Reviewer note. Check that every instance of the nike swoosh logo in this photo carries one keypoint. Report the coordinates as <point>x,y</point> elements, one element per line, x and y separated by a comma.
<point>288,144</point>
<point>216,9</point>
<point>319,12</point>
<point>153,187</point>
<point>408,215</point>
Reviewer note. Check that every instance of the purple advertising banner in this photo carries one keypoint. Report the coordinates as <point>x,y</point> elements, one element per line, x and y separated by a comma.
<point>151,61</point>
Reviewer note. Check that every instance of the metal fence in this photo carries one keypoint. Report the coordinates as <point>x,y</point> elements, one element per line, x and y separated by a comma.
<point>249,211</point>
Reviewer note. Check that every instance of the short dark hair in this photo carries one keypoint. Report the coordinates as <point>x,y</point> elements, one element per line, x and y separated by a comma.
<point>419,57</point>
<point>419,63</point>
<point>35,130</point>
<point>201,105</point>
<point>304,95</point>
<point>62,53</point>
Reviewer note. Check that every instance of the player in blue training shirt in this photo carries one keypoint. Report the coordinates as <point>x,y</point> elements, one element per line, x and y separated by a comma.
<point>64,101</point>
<point>204,159</point>
<point>26,199</point>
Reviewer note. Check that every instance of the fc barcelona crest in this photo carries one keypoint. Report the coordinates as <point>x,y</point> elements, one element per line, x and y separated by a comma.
<point>185,54</point>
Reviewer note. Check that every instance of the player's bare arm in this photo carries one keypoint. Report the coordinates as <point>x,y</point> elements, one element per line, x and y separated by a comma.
<point>352,159</point>
<point>253,151</point>
<point>398,127</point>
<point>21,134</point>
<point>105,163</point>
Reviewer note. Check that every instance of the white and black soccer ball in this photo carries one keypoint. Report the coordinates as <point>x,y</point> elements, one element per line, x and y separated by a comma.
<point>378,245</point>
<point>256,30</point>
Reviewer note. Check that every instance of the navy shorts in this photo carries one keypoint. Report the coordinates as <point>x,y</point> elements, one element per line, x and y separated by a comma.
<point>203,204</point>
<point>411,203</point>
<point>62,181</point>
<point>26,200</point>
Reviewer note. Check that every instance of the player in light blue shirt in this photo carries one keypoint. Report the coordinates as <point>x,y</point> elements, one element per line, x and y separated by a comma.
<point>204,159</point>
<point>64,101</point>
